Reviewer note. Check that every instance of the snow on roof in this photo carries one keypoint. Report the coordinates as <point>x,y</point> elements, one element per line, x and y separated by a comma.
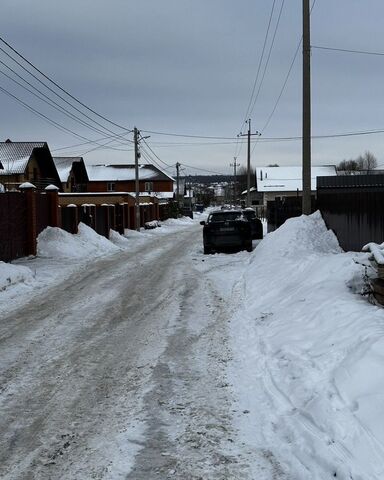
<point>288,179</point>
<point>163,195</point>
<point>115,173</point>
<point>14,156</point>
<point>64,166</point>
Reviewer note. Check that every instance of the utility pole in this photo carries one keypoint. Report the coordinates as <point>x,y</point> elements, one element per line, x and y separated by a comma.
<point>249,134</point>
<point>306,147</point>
<point>234,165</point>
<point>137,187</point>
<point>178,184</point>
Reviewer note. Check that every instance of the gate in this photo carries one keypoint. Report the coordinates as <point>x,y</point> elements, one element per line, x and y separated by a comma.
<point>13,226</point>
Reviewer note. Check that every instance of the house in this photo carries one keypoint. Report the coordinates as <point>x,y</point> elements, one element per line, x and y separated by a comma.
<point>121,178</point>
<point>72,172</point>
<point>275,182</point>
<point>27,162</point>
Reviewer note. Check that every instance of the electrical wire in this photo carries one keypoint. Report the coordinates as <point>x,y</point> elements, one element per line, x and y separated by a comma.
<point>259,66</point>
<point>158,158</point>
<point>203,169</point>
<point>52,103</point>
<point>268,58</point>
<point>128,130</point>
<point>46,118</point>
<point>345,50</point>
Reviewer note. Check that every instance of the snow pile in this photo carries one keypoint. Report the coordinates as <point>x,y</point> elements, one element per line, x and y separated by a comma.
<point>302,236</point>
<point>56,243</point>
<point>310,357</point>
<point>14,274</point>
<point>178,221</point>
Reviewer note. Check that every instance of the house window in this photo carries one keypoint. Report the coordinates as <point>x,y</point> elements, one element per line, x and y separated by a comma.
<point>111,186</point>
<point>148,186</point>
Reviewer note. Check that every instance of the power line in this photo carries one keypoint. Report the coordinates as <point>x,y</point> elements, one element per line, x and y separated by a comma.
<point>158,158</point>
<point>246,116</point>
<point>345,50</point>
<point>45,98</point>
<point>203,169</point>
<point>128,130</point>
<point>185,135</point>
<point>268,58</point>
<point>284,84</point>
<point>46,118</point>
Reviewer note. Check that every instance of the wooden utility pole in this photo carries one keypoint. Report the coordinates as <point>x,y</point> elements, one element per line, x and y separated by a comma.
<point>306,147</point>
<point>137,186</point>
<point>234,165</point>
<point>249,134</point>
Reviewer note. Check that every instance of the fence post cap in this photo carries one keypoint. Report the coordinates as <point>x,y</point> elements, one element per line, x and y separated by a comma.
<point>71,205</point>
<point>27,186</point>
<point>51,188</point>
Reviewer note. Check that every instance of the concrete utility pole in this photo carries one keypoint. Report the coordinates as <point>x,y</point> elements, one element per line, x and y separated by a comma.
<point>137,187</point>
<point>306,147</point>
<point>234,165</point>
<point>177,182</point>
<point>249,134</point>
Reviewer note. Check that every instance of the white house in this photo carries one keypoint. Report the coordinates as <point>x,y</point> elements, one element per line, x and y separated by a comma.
<point>275,182</point>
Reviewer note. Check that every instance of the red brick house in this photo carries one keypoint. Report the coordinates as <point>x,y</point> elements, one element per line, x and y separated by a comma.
<point>121,178</point>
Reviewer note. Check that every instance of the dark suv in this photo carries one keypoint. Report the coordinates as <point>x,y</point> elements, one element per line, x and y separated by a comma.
<point>227,230</point>
<point>256,225</point>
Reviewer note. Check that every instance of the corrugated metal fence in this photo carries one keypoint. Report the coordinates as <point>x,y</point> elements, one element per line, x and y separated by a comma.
<point>352,206</point>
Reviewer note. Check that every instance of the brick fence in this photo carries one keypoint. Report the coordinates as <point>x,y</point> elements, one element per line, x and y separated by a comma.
<point>23,215</point>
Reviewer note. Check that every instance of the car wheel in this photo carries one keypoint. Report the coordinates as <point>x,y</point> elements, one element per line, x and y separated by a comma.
<point>249,248</point>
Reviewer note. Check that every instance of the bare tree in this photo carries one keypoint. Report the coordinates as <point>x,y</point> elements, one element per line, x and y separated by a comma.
<point>369,161</point>
<point>366,162</point>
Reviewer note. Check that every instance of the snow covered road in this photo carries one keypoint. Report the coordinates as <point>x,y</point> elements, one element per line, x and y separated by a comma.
<point>156,361</point>
<point>122,367</point>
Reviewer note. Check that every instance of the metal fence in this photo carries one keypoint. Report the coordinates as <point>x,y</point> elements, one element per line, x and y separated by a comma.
<point>352,206</point>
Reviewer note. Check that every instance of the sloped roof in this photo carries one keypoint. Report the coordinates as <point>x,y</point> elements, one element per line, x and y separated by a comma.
<point>115,173</point>
<point>288,179</point>
<point>14,156</point>
<point>64,166</point>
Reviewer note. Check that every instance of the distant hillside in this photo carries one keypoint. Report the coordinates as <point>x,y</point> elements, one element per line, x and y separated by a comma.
<point>208,179</point>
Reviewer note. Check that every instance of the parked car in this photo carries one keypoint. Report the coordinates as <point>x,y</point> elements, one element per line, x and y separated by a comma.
<point>256,225</point>
<point>226,230</point>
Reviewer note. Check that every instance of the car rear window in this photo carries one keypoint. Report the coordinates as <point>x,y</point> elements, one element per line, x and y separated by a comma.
<point>224,216</point>
<point>249,215</point>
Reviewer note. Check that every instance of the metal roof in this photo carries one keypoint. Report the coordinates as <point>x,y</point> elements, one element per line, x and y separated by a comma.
<point>64,166</point>
<point>351,181</point>
<point>126,172</point>
<point>288,179</point>
<point>14,156</point>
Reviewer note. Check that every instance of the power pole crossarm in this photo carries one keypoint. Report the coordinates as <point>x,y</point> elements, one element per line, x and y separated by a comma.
<point>234,165</point>
<point>249,134</point>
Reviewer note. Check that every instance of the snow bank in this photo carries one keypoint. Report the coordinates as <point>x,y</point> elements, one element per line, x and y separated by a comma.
<point>310,359</point>
<point>56,243</point>
<point>14,274</point>
<point>300,236</point>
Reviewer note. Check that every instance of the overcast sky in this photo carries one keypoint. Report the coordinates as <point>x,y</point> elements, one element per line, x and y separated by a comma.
<point>188,67</point>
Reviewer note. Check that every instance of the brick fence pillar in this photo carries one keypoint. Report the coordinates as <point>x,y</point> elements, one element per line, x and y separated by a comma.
<point>53,201</point>
<point>30,196</point>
